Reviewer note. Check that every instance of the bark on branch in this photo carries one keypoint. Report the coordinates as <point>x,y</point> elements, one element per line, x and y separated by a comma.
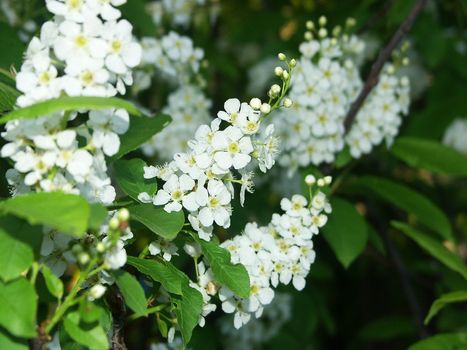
<point>383,57</point>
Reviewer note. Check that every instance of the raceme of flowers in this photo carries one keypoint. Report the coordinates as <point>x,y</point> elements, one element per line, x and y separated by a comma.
<point>85,50</point>
<point>173,56</point>
<point>201,180</point>
<point>326,83</point>
<point>189,108</point>
<point>280,253</point>
<point>455,135</point>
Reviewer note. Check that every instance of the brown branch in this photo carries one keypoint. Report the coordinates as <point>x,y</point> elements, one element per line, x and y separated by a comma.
<point>117,307</point>
<point>383,57</point>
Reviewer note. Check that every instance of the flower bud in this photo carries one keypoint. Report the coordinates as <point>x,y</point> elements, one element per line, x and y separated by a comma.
<point>192,249</point>
<point>83,258</point>
<point>100,247</point>
<point>293,62</point>
<point>323,33</point>
<point>310,25</point>
<point>310,180</point>
<point>287,103</point>
<point>285,75</point>
<point>96,292</point>
<point>278,71</point>
<point>405,61</point>
<point>276,89</point>
<point>328,180</point>
<point>114,223</point>
<point>123,214</point>
<point>350,22</point>
<point>255,103</point>
<point>265,108</point>
<point>323,21</point>
<point>321,183</point>
<point>308,36</point>
<point>282,57</point>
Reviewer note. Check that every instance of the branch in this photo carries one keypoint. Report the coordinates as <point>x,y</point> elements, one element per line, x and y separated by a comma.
<point>117,307</point>
<point>383,57</point>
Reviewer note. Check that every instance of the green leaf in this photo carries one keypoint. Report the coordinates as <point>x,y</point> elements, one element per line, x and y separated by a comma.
<point>97,216</point>
<point>8,97</point>
<point>93,337</point>
<point>11,343</point>
<point>135,12</point>
<point>90,311</point>
<point>409,200</point>
<point>131,290</point>
<point>13,48</point>
<point>18,306</point>
<point>346,231</point>
<point>447,341</point>
<point>430,155</point>
<point>434,248</point>
<point>64,104</point>
<point>163,272</point>
<point>162,326</point>
<point>53,283</point>
<point>188,310</point>
<point>18,243</point>
<point>235,277</point>
<point>438,304</point>
<point>130,177</point>
<point>141,130</point>
<point>66,213</point>
<point>166,225</point>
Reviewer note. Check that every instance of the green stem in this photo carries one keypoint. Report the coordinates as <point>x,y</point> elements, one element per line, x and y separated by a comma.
<point>149,311</point>
<point>70,299</point>
<point>34,271</point>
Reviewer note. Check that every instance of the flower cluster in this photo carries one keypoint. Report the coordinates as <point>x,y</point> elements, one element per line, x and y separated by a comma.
<point>85,50</point>
<point>455,135</point>
<point>326,84</point>
<point>189,108</point>
<point>201,180</point>
<point>281,252</point>
<point>173,55</point>
<point>179,12</point>
<point>258,331</point>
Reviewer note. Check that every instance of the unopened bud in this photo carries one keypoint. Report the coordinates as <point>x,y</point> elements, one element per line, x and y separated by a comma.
<point>114,223</point>
<point>310,25</point>
<point>323,33</point>
<point>96,292</point>
<point>265,108</point>
<point>83,258</point>
<point>287,103</point>
<point>278,71</point>
<point>323,21</point>
<point>310,180</point>
<point>285,75</point>
<point>405,61</point>
<point>321,183</point>
<point>123,214</point>
<point>308,36</point>
<point>276,89</point>
<point>328,180</point>
<point>100,247</point>
<point>282,57</point>
<point>293,62</point>
<point>255,103</point>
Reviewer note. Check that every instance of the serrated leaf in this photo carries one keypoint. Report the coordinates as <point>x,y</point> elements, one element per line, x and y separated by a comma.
<point>8,97</point>
<point>409,200</point>
<point>64,104</point>
<point>163,272</point>
<point>430,155</point>
<point>131,290</point>
<point>434,248</point>
<point>447,341</point>
<point>130,177</point>
<point>19,243</point>
<point>66,213</point>
<point>188,310</point>
<point>93,337</point>
<point>18,306</point>
<point>449,298</point>
<point>166,225</point>
<point>233,276</point>
<point>53,283</point>
<point>141,130</point>
<point>346,231</point>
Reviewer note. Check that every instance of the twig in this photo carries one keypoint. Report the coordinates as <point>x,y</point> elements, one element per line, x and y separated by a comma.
<point>383,57</point>
<point>117,307</point>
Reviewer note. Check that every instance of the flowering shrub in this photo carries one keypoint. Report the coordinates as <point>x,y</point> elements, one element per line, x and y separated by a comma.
<point>144,202</point>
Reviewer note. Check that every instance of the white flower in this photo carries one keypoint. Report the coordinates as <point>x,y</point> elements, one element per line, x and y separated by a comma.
<point>217,207</point>
<point>166,248</point>
<point>176,191</point>
<point>116,256</point>
<point>96,292</point>
<point>107,124</point>
<point>232,148</point>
